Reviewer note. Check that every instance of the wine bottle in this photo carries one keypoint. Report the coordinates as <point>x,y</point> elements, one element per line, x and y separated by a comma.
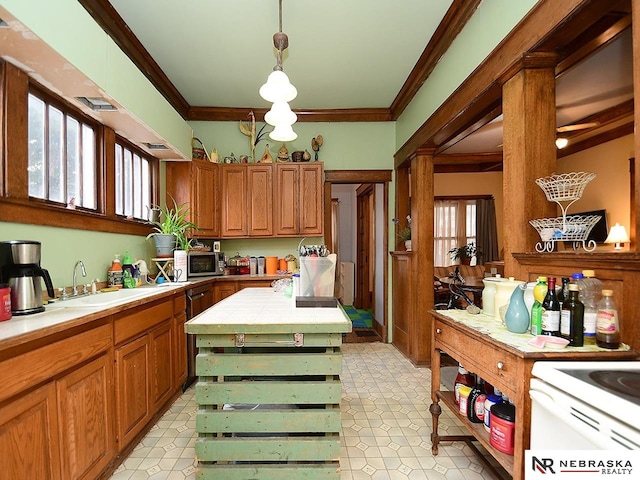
<point>551,311</point>
<point>572,318</point>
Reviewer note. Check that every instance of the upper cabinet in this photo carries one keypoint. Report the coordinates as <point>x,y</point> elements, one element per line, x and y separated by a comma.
<point>196,184</point>
<point>260,200</point>
<point>298,200</point>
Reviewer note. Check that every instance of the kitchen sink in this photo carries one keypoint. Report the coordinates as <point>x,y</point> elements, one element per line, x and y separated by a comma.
<point>104,299</point>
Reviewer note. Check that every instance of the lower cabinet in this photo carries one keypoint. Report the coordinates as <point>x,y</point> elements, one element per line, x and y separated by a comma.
<point>69,419</point>
<point>222,290</point>
<point>85,427</point>
<point>161,364</point>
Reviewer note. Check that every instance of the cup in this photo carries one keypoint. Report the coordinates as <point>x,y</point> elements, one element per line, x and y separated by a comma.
<point>271,265</point>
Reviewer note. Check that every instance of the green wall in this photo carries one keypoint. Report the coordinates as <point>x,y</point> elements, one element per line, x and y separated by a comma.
<point>62,248</point>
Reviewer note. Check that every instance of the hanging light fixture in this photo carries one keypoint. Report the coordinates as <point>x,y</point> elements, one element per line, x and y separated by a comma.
<point>279,91</point>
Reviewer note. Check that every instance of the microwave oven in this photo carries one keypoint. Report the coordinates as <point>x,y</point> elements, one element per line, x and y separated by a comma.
<point>205,264</point>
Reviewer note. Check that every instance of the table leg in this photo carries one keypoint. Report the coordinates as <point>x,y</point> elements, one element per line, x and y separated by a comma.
<point>435,408</point>
<point>435,411</point>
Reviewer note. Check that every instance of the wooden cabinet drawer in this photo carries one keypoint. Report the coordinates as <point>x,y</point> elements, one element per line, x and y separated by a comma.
<point>141,320</point>
<point>498,367</point>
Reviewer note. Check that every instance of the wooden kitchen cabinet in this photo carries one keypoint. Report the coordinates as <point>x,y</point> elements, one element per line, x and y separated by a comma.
<point>28,436</point>
<point>144,370</point>
<point>224,289</point>
<point>196,183</point>
<point>180,339</point>
<point>86,429</point>
<point>298,199</point>
<point>233,201</point>
<point>132,391</point>
<point>260,200</point>
<point>63,428</point>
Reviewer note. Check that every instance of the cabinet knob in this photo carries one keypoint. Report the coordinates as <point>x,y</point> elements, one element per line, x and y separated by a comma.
<point>500,365</point>
<point>438,330</point>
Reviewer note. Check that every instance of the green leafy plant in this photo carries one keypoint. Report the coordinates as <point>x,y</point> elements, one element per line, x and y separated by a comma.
<point>405,233</point>
<point>173,221</point>
<point>464,252</point>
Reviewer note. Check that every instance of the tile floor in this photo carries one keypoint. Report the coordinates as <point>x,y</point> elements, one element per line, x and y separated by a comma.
<point>385,419</point>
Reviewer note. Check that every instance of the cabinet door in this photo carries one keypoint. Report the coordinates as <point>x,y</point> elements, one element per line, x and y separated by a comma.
<point>161,347</point>
<point>29,436</point>
<point>311,199</point>
<point>86,432</point>
<point>402,308</point>
<point>204,200</point>
<point>180,350</point>
<point>285,202</point>
<point>233,212</point>
<point>260,205</point>
<point>133,405</point>
<point>222,290</point>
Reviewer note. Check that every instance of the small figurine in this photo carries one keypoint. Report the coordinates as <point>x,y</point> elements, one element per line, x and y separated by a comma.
<point>316,143</point>
<point>248,128</point>
<point>306,156</point>
<point>283,154</point>
<point>266,156</point>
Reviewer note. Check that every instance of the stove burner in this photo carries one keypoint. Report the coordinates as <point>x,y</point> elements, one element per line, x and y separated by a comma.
<point>626,382</point>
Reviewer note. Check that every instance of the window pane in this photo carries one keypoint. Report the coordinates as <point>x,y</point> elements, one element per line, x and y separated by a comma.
<point>146,189</point>
<point>128,190</point>
<point>89,194</point>
<point>73,161</point>
<point>137,188</point>
<point>56,156</point>
<point>36,164</point>
<point>119,182</point>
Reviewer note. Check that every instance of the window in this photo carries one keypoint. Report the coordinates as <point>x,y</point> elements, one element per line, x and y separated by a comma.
<point>62,155</point>
<point>454,225</point>
<point>134,192</point>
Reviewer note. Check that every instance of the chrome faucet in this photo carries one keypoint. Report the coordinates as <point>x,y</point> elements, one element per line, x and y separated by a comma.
<point>75,280</point>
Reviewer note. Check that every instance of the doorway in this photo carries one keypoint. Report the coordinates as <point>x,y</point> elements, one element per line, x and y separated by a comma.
<point>362,236</point>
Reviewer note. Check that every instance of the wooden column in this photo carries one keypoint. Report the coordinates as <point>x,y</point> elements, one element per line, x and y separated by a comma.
<point>529,151</point>
<point>422,245</point>
<point>634,226</point>
<point>403,203</point>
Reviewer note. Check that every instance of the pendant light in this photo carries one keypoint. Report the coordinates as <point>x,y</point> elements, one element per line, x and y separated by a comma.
<point>279,91</point>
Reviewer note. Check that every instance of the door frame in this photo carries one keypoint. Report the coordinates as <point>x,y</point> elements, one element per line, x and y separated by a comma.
<point>383,177</point>
<point>365,255</point>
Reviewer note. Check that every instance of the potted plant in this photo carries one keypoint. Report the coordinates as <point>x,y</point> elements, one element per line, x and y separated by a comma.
<point>405,233</point>
<point>171,229</point>
<point>465,253</point>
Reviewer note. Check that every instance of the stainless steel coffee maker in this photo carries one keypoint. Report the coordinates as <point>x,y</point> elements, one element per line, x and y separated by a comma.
<point>20,268</point>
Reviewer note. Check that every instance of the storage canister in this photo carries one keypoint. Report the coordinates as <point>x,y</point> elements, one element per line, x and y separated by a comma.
<point>489,402</point>
<point>503,418</point>
<point>463,404</point>
<point>5,302</point>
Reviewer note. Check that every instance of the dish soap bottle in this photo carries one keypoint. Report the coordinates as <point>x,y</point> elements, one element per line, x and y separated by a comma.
<point>114,273</point>
<point>128,272</point>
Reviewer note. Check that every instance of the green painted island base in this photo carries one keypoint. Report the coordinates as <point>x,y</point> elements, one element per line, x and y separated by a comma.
<point>269,390</point>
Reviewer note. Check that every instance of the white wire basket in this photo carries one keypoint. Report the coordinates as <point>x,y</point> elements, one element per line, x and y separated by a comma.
<point>565,186</point>
<point>572,228</point>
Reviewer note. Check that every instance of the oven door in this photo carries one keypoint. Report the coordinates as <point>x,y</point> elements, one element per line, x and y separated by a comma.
<point>560,421</point>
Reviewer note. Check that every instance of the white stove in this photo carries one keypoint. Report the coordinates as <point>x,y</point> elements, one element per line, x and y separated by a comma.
<point>585,405</point>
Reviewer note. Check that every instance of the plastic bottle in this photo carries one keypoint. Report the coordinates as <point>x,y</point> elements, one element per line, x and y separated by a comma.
<point>590,294</point>
<point>607,326</point>
<point>551,311</point>
<point>539,292</point>
<point>128,271</point>
<point>463,378</point>
<point>475,407</point>
<point>572,318</point>
<point>490,401</point>
<point>114,273</point>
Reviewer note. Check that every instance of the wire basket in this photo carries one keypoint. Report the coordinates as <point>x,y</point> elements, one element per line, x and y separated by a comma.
<point>572,228</point>
<point>565,186</point>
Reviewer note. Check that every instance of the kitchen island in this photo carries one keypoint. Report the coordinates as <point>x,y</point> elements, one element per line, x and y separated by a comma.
<point>269,388</point>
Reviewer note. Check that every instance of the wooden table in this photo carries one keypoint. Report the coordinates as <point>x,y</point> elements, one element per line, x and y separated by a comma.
<point>269,388</point>
<point>504,359</point>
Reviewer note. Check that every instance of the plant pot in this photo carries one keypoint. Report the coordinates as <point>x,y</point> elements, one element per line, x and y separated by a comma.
<point>165,244</point>
<point>407,245</point>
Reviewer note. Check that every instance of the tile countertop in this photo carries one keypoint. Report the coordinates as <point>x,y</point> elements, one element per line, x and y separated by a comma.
<point>262,310</point>
<point>24,328</point>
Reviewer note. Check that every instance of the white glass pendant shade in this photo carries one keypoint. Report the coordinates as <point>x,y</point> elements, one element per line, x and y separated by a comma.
<point>280,114</point>
<point>278,88</point>
<point>283,133</point>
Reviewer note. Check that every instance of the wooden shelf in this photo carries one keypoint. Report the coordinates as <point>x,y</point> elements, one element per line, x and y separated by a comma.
<point>477,430</point>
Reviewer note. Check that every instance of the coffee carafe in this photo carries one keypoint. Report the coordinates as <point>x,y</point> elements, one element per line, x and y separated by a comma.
<point>20,268</point>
